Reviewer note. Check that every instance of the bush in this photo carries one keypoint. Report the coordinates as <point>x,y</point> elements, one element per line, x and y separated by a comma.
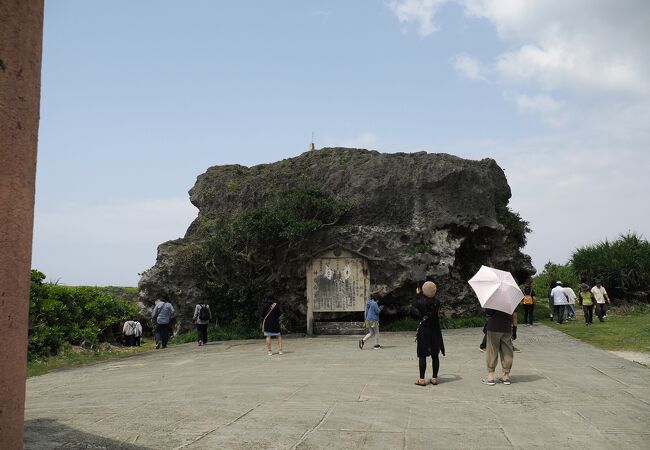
<point>228,332</point>
<point>622,265</point>
<point>517,227</point>
<point>63,315</point>
<point>543,282</point>
<point>232,258</point>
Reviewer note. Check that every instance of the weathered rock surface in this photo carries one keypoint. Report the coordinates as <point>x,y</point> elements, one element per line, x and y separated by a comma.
<point>418,215</point>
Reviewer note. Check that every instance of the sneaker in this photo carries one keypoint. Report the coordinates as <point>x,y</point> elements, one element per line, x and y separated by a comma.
<point>361,342</point>
<point>506,381</point>
<point>280,353</point>
<point>378,347</point>
<point>488,382</point>
<point>270,353</point>
<point>200,343</point>
<point>157,345</point>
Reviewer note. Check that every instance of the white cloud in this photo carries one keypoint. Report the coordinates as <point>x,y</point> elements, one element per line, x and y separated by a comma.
<point>584,45</point>
<point>549,109</point>
<point>582,67</point>
<point>555,65</point>
<point>80,244</point>
<point>469,67</point>
<point>420,12</point>
<point>575,190</point>
<point>365,140</point>
<point>323,16</point>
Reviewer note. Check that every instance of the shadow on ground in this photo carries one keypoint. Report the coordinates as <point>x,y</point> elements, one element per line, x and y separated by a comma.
<point>46,434</point>
<point>526,378</point>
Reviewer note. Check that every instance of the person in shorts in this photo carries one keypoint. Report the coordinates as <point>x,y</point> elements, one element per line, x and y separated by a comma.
<point>371,322</point>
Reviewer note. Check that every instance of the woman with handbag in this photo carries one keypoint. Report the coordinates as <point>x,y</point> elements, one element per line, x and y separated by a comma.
<point>429,336</point>
<point>271,324</point>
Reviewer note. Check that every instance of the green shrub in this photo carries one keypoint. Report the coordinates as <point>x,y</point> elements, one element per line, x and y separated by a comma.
<point>228,332</point>
<point>63,315</point>
<point>516,226</point>
<point>232,258</point>
<point>543,282</point>
<point>622,265</point>
<point>448,323</point>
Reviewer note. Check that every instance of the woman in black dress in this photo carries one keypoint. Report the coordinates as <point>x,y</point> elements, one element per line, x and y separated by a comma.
<point>429,335</point>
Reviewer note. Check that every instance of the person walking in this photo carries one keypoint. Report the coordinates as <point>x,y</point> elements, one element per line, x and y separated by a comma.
<point>138,333</point>
<point>571,300</point>
<point>560,301</point>
<point>551,306</point>
<point>271,324</point>
<point>529,302</point>
<point>501,331</point>
<point>162,315</point>
<point>600,294</point>
<point>429,336</point>
<point>586,299</point>
<point>128,331</point>
<point>371,322</point>
<point>201,318</point>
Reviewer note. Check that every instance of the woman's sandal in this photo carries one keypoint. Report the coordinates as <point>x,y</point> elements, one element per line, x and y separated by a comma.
<point>421,382</point>
<point>434,381</point>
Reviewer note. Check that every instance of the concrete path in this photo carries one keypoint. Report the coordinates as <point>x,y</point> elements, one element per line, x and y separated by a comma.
<point>325,393</point>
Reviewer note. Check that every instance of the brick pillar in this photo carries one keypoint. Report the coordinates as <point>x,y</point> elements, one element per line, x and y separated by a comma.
<point>21,36</point>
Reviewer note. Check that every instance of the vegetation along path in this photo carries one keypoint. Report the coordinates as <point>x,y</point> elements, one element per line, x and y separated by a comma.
<point>326,393</point>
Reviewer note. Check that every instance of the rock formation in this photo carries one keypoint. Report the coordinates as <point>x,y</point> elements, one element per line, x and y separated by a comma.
<point>415,215</point>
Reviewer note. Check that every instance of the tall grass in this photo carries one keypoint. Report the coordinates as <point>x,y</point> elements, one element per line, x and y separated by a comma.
<point>552,273</point>
<point>622,265</point>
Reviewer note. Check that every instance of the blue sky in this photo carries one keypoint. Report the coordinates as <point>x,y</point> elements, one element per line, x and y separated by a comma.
<point>139,98</point>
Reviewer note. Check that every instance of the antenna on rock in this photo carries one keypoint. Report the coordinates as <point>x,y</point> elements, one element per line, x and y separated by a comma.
<point>312,146</point>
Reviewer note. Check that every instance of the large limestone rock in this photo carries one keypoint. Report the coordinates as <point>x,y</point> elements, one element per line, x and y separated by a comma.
<point>416,215</point>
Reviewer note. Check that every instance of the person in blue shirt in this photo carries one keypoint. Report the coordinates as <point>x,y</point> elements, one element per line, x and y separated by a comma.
<point>372,321</point>
<point>162,315</point>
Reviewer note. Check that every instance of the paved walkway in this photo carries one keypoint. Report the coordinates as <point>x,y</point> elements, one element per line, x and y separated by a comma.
<point>324,393</point>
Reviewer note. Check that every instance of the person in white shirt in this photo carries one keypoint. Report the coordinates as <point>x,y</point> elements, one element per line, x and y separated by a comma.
<point>600,294</point>
<point>560,302</point>
<point>571,296</point>
<point>138,333</point>
<point>128,330</point>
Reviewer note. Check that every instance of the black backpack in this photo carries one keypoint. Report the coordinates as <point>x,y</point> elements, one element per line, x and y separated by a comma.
<point>204,313</point>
